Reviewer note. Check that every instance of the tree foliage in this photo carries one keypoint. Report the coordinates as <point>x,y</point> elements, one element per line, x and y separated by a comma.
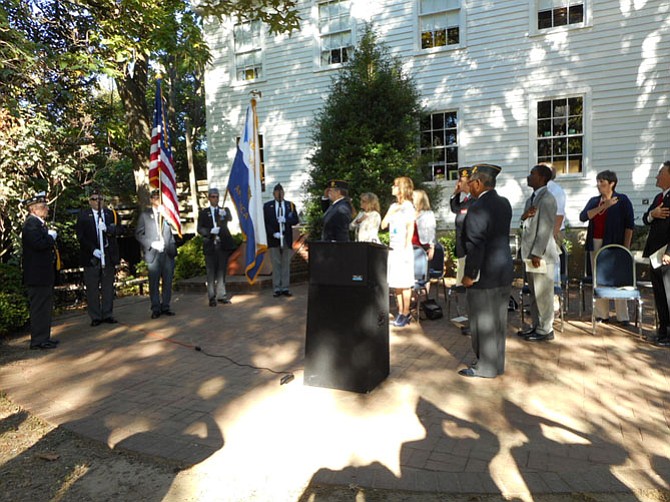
<point>367,132</point>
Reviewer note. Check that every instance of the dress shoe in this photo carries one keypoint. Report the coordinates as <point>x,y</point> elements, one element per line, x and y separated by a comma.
<point>286,292</point>
<point>44,345</point>
<point>465,331</point>
<point>401,321</point>
<point>155,314</point>
<point>110,320</point>
<point>168,313</point>
<point>537,337</point>
<point>54,341</point>
<point>96,322</point>
<point>602,320</point>
<point>526,331</point>
<point>625,324</point>
<point>276,294</point>
<point>212,303</point>
<point>225,301</point>
<point>663,343</point>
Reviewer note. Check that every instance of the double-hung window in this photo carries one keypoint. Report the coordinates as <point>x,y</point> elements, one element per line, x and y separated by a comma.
<point>553,13</point>
<point>439,141</point>
<point>560,134</point>
<point>439,23</point>
<point>248,51</point>
<point>335,32</point>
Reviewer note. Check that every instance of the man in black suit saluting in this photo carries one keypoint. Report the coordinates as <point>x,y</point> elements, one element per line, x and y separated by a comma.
<point>488,271</point>
<point>99,254</point>
<point>155,236</point>
<point>39,271</point>
<point>658,218</point>
<point>217,246</point>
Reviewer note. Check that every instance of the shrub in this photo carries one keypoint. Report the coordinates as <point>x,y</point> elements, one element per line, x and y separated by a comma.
<point>190,261</point>
<point>14,313</point>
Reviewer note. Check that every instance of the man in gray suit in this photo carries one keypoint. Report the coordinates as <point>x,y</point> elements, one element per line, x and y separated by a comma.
<point>154,234</point>
<point>540,254</point>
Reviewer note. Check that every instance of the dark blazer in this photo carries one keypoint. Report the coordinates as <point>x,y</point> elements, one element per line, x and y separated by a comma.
<point>272,225</point>
<point>619,218</point>
<point>336,220</point>
<point>88,238</point>
<point>210,244</point>
<point>460,209</point>
<point>146,233</point>
<point>38,253</point>
<point>486,240</point>
<point>659,230</point>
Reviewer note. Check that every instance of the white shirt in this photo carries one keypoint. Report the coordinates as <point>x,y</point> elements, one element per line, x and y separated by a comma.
<point>559,194</point>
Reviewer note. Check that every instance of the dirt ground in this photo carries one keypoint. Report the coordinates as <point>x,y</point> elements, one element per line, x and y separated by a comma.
<point>39,462</point>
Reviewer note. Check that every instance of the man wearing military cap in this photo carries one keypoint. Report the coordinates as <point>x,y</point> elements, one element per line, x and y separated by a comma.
<point>280,215</point>
<point>337,212</point>
<point>39,271</point>
<point>97,228</point>
<point>155,236</point>
<point>460,202</point>
<point>217,246</point>
<point>488,271</point>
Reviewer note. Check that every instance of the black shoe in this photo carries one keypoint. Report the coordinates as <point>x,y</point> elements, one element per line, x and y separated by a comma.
<point>662,343</point>
<point>526,331</point>
<point>276,294</point>
<point>44,345</point>
<point>168,313</point>
<point>225,301</point>
<point>96,322</point>
<point>467,372</point>
<point>212,303</point>
<point>537,337</point>
<point>624,324</point>
<point>155,314</point>
<point>54,341</point>
<point>465,331</point>
<point>110,320</point>
<point>602,320</point>
<point>286,292</point>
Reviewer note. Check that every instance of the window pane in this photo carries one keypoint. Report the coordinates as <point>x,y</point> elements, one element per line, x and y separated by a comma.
<point>544,128</point>
<point>544,110</point>
<point>575,145</point>
<point>559,127</point>
<point>452,120</point>
<point>437,131</point>
<point>427,40</point>
<point>559,147</point>
<point>575,125</point>
<point>576,106</point>
<point>440,38</point>
<point>559,165</point>
<point>451,137</point>
<point>561,16</point>
<point>560,107</point>
<point>438,139</point>
<point>453,36</point>
<point>544,148</point>
<point>438,172</point>
<point>575,164</point>
<point>452,154</point>
<point>438,121</point>
<point>544,19</point>
<point>576,14</point>
<point>426,139</point>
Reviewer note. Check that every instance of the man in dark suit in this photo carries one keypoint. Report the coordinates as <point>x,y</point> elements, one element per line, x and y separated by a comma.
<point>39,271</point>
<point>337,212</point>
<point>658,219</point>
<point>155,236</point>
<point>538,247</point>
<point>280,216</point>
<point>97,228</point>
<point>488,271</point>
<point>217,246</point>
<point>459,203</point>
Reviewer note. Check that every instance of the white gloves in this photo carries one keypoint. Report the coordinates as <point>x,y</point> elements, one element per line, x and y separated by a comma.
<point>97,254</point>
<point>281,219</point>
<point>53,234</point>
<point>277,235</point>
<point>215,230</point>
<point>158,246</point>
<point>102,226</point>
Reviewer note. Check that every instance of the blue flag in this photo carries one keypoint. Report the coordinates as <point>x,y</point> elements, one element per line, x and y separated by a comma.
<point>244,187</point>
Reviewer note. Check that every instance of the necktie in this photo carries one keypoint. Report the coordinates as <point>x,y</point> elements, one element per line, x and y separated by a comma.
<point>532,198</point>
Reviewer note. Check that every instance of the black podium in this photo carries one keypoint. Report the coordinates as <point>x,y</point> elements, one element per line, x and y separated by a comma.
<point>347,342</point>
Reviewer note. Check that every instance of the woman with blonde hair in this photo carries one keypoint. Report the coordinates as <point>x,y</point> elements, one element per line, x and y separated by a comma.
<point>400,221</point>
<point>425,225</point>
<point>366,224</point>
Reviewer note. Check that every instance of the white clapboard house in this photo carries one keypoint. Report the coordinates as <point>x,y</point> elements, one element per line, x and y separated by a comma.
<point>584,84</point>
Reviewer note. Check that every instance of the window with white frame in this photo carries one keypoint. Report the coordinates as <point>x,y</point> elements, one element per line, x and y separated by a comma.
<point>439,23</point>
<point>560,134</point>
<point>439,141</point>
<point>552,13</point>
<point>335,31</point>
<point>248,51</point>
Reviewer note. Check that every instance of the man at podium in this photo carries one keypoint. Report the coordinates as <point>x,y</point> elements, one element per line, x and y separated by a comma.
<point>337,212</point>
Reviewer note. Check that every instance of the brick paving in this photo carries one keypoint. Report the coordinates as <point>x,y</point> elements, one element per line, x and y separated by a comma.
<point>580,414</point>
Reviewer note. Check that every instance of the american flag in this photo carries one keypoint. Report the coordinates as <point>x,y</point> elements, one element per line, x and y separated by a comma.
<point>161,166</point>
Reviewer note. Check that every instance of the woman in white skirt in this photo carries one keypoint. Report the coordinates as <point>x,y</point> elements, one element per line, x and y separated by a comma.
<point>400,221</point>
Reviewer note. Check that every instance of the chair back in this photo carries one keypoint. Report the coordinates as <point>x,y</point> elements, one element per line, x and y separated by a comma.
<point>436,265</point>
<point>564,264</point>
<point>614,267</point>
<point>420,265</point>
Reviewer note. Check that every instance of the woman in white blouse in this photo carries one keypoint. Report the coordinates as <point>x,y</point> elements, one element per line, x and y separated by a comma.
<point>424,232</point>
<point>400,220</point>
<point>366,224</point>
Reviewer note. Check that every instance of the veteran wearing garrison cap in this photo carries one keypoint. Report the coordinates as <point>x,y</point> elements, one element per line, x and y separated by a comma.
<point>280,215</point>
<point>337,212</point>
<point>39,270</point>
<point>459,203</point>
<point>488,271</point>
<point>217,246</point>
<point>155,236</point>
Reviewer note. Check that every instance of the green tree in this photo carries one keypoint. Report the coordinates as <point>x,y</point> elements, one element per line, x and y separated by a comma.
<point>367,132</point>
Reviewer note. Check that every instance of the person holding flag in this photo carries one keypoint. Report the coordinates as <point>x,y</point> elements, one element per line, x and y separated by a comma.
<point>280,216</point>
<point>244,187</point>
<point>155,236</point>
